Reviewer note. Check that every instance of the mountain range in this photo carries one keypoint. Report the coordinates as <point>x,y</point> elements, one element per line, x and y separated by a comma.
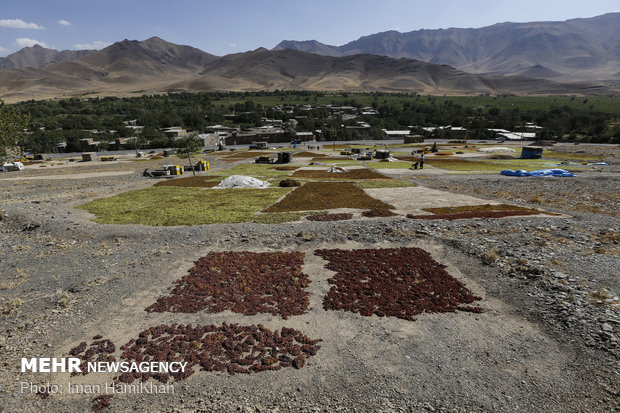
<point>577,49</point>
<point>154,65</point>
<point>37,56</point>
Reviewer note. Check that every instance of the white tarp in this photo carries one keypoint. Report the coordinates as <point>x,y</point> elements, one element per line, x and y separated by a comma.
<point>496,149</point>
<point>242,181</point>
<point>13,166</point>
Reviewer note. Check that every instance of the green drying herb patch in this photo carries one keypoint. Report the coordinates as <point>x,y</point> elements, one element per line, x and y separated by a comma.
<point>192,181</point>
<point>465,165</point>
<point>327,195</point>
<point>384,183</point>
<point>569,156</point>
<point>362,173</point>
<point>165,206</point>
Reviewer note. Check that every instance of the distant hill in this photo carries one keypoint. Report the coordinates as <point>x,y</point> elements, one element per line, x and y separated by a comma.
<point>295,70</point>
<point>37,56</point>
<point>577,49</point>
<point>154,66</point>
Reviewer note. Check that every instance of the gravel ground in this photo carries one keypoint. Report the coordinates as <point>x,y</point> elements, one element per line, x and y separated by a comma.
<point>548,340</point>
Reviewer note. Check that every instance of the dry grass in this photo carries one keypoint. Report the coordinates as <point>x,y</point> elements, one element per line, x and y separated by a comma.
<point>490,256</point>
<point>10,307</point>
<point>327,195</point>
<point>20,278</point>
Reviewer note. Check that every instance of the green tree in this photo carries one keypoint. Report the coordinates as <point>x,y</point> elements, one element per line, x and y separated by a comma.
<point>12,125</point>
<point>188,145</point>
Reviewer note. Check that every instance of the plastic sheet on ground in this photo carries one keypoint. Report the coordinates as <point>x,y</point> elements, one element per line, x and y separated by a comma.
<point>538,172</point>
<point>337,169</point>
<point>496,149</point>
<point>242,181</point>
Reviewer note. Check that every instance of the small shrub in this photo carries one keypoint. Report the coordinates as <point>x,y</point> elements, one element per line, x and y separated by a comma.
<point>287,183</point>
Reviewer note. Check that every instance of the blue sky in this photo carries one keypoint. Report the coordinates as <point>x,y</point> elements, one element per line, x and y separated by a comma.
<point>222,27</point>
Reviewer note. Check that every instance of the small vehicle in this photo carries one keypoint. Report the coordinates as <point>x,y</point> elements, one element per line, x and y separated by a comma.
<point>258,145</point>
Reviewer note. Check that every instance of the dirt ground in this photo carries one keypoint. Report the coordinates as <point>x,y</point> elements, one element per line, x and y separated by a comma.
<point>546,341</point>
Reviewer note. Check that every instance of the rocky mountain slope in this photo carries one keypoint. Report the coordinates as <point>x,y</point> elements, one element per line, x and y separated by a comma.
<point>154,66</point>
<point>577,49</point>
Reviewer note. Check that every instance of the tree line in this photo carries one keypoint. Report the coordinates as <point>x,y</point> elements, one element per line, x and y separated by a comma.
<point>69,120</point>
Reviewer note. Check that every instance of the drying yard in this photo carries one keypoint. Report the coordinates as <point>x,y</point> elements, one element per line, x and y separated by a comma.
<point>377,288</point>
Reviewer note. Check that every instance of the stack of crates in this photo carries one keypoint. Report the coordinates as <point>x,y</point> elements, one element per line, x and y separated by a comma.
<point>174,169</point>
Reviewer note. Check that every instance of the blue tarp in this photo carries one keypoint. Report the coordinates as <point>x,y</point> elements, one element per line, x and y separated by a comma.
<point>539,172</point>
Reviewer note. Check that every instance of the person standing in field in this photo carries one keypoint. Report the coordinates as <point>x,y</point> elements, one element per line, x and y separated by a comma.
<point>422,161</point>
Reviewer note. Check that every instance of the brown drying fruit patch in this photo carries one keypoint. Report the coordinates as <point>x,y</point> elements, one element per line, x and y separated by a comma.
<point>474,214</point>
<point>475,208</point>
<point>330,217</point>
<point>192,181</point>
<point>398,282</point>
<point>306,154</point>
<point>100,349</point>
<point>101,402</point>
<point>361,173</point>
<point>229,347</point>
<point>378,213</point>
<point>327,195</point>
<point>286,168</point>
<point>244,282</point>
